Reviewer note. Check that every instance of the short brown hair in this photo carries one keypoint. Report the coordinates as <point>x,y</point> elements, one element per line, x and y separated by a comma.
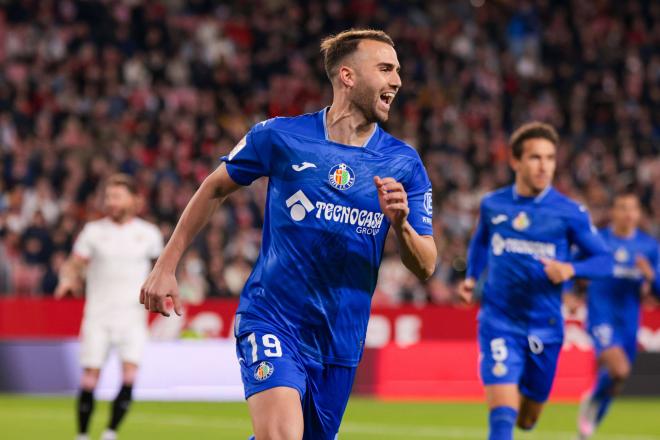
<point>337,47</point>
<point>121,179</point>
<point>531,130</point>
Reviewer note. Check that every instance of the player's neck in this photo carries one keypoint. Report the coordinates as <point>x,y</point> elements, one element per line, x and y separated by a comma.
<point>623,231</point>
<point>122,220</point>
<point>347,125</point>
<point>526,190</point>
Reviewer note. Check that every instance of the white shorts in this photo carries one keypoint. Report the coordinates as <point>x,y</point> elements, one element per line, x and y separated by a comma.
<point>98,338</point>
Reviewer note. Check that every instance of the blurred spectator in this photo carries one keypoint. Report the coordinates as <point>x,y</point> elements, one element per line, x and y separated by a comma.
<point>161,90</point>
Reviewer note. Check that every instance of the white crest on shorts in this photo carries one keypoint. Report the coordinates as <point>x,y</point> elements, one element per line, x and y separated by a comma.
<point>499,369</point>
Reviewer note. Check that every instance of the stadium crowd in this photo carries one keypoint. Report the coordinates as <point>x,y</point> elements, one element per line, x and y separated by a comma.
<point>161,89</point>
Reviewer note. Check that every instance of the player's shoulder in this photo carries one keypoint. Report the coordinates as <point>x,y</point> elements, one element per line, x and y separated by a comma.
<point>391,145</point>
<point>98,224</point>
<point>498,196</point>
<point>305,124</point>
<point>142,224</point>
<point>564,205</point>
<point>646,239</point>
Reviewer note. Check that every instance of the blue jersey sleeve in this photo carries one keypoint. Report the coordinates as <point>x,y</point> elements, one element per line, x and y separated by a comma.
<point>251,157</point>
<point>477,256</point>
<point>420,201</point>
<point>654,259</point>
<point>597,261</point>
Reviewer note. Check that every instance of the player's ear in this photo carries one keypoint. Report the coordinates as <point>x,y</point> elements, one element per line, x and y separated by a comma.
<point>514,162</point>
<point>346,76</point>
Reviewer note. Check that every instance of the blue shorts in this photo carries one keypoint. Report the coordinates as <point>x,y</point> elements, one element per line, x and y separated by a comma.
<point>607,335</point>
<point>270,358</point>
<point>507,358</point>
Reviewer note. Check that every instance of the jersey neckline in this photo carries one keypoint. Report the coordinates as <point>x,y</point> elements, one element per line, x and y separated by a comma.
<point>535,199</point>
<point>367,145</point>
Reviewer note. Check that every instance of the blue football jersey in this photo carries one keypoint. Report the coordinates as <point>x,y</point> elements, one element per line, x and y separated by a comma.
<point>513,234</point>
<point>615,300</point>
<point>323,232</point>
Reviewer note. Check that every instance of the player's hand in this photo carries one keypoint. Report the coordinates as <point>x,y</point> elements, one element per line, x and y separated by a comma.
<point>393,200</point>
<point>66,287</point>
<point>558,271</point>
<point>157,287</point>
<point>466,290</point>
<point>645,267</point>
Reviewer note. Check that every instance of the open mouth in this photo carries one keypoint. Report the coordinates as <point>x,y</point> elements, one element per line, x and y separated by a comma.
<point>387,97</point>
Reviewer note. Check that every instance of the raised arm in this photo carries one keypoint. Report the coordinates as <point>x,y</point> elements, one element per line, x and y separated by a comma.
<point>418,252</point>
<point>161,282</point>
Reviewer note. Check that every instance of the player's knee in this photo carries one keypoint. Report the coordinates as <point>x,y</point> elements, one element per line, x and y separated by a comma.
<point>620,373</point>
<point>527,421</point>
<point>89,379</point>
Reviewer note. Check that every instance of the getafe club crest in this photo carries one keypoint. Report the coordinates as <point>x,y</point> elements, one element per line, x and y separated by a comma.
<point>341,177</point>
<point>499,369</point>
<point>621,255</point>
<point>521,222</point>
<point>263,371</point>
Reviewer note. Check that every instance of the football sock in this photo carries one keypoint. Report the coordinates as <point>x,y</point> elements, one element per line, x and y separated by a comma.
<point>120,406</point>
<point>85,409</point>
<point>500,422</point>
<point>602,394</point>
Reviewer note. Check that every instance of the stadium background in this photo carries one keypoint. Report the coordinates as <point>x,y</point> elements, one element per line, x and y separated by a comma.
<point>160,90</point>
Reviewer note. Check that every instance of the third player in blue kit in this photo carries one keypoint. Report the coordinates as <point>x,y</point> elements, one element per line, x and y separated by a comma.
<point>523,241</point>
<point>337,184</point>
<point>613,307</point>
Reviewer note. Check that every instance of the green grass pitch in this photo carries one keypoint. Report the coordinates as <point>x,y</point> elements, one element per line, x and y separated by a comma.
<point>53,418</point>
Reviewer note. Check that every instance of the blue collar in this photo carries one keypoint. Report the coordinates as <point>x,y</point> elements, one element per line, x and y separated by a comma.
<point>537,199</point>
<point>324,114</point>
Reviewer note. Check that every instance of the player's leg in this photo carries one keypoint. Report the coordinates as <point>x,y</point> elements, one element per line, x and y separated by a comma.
<point>537,378</point>
<point>131,341</point>
<point>503,401</point>
<point>94,346</point>
<point>275,382</point>
<point>85,403</point>
<point>615,354</point>
<point>276,414</point>
<point>614,363</point>
<point>500,367</point>
<point>328,390</point>
<point>529,413</point>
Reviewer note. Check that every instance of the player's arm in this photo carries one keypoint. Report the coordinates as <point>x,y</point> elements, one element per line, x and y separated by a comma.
<point>477,258</point>
<point>70,277</point>
<point>161,282</point>
<point>650,269</point>
<point>597,261</point>
<point>418,252</point>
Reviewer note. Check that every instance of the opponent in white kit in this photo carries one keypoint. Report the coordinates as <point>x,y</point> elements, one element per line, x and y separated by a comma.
<point>114,256</point>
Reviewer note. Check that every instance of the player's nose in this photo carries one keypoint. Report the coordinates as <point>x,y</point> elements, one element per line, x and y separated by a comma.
<point>395,81</point>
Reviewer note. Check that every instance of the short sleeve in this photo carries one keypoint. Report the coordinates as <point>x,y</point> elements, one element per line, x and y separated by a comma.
<point>251,157</point>
<point>156,244</point>
<point>83,246</point>
<point>420,201</point>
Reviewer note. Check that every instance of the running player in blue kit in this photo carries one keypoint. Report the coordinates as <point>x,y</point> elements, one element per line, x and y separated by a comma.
<point>523,239</point>
<point>613,307</point>
<point>337,184</point>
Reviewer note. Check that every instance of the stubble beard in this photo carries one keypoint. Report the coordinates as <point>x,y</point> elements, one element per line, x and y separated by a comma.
<point>363,100</point>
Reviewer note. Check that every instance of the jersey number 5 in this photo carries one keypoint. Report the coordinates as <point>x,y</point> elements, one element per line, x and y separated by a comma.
<point>498,349</point>
<point>271,344</point>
